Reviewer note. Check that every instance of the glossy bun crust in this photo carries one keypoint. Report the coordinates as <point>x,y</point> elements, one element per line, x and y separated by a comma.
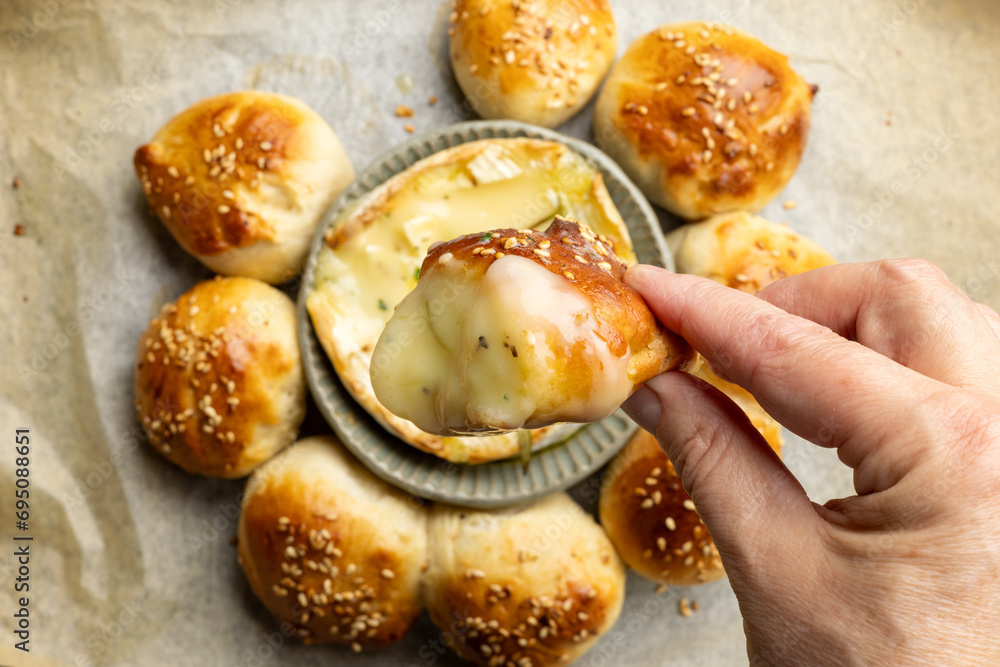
<point>536,584</point>
<point>332,550</point>
<point>537,61</point>
<point>571,250</point>
<point>704,118</point>
<point>652,520</point>
<point>219,386</point>
<point>611,353</point>
<point>241,180</point>
<point>745,252</point>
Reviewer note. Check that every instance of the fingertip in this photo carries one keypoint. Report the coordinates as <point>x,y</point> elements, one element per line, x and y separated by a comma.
<point>641,276</point>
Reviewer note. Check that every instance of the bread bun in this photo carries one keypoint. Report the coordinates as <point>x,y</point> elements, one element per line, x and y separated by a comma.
<point>373,253</point>
<point>652,520</point>
<point>241,180</point>
<point>536,584</point>
<point>537,61</point>
<point>330,549</point>
<point>525,329</point>
<point>704,118</point>
<point>219,386</point>
<point>746,252</point>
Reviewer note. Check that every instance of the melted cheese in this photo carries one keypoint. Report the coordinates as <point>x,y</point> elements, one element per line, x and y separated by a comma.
<point>520,347</point>
<point>507,183</point>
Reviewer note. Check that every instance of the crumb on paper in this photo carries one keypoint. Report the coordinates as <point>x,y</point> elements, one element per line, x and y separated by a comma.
<point>684,607</point>
<point>694,605</point>
<point>17,183</point>
<point>403,111</point>
<point>409,128</point>
<point>790,204</point>
<point>433,100</point>
<point>19,229</point>
<point>661,589</point>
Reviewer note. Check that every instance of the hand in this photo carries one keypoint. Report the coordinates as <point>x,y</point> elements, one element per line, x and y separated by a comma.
<point>892,365</point>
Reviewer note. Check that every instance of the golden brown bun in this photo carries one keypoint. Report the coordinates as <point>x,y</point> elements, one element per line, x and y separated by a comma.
<point>219,386</point>
<point>539,582</point>
<point>537,61</point>
<point>704,118</point>
<point>332,550</point>
<point>338,298</point>
<point>241,180</point>
<point>763,422</point>
<point>651,519</point>
<point>746,252</point>
<point>537,361</point>
<point>571,250</point>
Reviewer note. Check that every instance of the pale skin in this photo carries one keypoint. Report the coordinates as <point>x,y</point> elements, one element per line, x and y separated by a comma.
<point>897,369</point>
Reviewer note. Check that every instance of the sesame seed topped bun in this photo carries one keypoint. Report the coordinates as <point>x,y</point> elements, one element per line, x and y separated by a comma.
<point>705,119</point>
<point>651,519</point>
<point>332,550</point>
<point>532,585</point>
<point>541,329</point>
<point>219,386</point>
<point>745,252</point>
<point>241,180</point>
<point>537,61</point>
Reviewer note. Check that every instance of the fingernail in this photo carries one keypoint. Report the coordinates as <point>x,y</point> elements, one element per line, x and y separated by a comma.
<point>644,408</point>
<point>639,275</point>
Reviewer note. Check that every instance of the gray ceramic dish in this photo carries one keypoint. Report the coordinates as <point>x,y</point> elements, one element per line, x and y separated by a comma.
<point>498,483</point>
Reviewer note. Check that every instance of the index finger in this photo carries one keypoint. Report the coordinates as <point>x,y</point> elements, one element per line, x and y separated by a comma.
<point>827,389</point>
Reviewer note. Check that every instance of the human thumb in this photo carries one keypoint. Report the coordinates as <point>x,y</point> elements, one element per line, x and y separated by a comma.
<point>752,505</point>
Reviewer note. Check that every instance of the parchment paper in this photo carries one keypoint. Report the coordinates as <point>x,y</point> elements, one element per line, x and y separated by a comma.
<point>132,562</point>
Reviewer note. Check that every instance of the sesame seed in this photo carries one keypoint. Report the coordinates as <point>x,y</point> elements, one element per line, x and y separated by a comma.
<point>769,167</point>
<point>647,554</point>
<point>223,209</point>
<point>689,505</point>
<point>265,145</point>
<point>387,574</point>
<point>706,156</point>
<point>661,543</point>
<point>783,130</point>
<point>651,481</point>
<point>646,504</point>
<point>604,265</point>
<point>508,57</point>
<point>657,497</point>
<point>688,112</point>
<point>474,574</point>
<point>166,212</point>
<point>655,472</point>
<point>741,278</point>
<point>356,647</point>
<point>670,523</point>
<point>752,149</point>
<point>789,205</point>
<point>568,275</point>
<point>540,252</point>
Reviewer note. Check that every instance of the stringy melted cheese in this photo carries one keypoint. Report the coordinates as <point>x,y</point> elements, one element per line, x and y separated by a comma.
<point>520,347</point>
